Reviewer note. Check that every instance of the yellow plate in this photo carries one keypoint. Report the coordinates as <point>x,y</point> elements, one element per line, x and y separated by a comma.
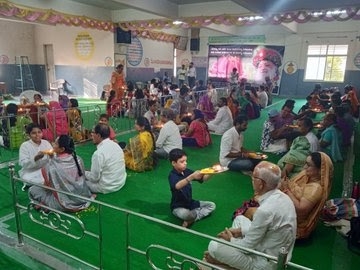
<point>207,171</point>
<point>48,152</point>
<point>257,156</point>
<point>212,171</point>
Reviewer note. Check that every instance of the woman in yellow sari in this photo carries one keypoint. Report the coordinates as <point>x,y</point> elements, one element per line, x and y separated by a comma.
<point>75,120</point>
<point>139,152</point>
<point>309,191</point>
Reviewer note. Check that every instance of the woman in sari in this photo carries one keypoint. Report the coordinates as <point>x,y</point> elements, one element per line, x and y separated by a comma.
<point>206,106</point>
<point>246,106</point>
<point>64,172</point>
<point>198,133</point>
<point>75,120</point>
<point>309,191</point>
<point>113,105</point>
<point>350,95</point>
<point>56,122</point>
<point>331,138</point>
<point>139,152</point>
<point>118,83</point>
<point>233,103</point>
<point>293,161</point>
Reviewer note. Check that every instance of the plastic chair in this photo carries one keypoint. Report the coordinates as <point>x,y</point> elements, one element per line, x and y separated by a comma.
<point>56,87</point>
<point>106,92</point>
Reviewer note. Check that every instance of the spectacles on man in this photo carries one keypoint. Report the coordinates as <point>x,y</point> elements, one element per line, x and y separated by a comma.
<point>258,178</point>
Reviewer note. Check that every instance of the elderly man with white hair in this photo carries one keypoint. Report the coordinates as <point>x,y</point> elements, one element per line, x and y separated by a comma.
<point>272,226</point>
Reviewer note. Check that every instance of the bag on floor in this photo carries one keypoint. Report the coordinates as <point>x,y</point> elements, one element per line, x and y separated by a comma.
<point>340,208</point>
<point>354,235</point>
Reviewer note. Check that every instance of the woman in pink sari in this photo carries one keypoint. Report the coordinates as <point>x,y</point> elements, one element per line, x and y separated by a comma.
<point>207,102</point>
<point>198,133</point>
<point>56,122</point>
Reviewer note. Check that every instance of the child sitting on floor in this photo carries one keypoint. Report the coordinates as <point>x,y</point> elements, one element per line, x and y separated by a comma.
<point>182,204</point>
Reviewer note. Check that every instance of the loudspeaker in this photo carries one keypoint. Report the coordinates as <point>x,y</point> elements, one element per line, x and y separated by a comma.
<point>180,43</point>
<point>122,36</point>
<point>195,44</point>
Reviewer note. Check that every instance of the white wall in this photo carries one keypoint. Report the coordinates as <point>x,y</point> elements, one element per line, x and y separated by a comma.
<point>17,39</point>
<point>63,40</point>
<point>28,39</point>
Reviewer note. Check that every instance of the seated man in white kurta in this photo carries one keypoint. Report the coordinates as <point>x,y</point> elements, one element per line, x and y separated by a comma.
<point>107,172</point>
<point>273,226</point>
<point>223,119</point>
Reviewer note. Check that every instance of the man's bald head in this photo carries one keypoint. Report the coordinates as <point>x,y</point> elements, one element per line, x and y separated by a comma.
<point>269,173</point>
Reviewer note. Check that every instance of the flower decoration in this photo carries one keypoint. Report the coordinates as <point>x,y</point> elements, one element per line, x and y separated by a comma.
<point>53,17</point>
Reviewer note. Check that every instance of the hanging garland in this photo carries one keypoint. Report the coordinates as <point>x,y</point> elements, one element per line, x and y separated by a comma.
<point>49,16</point>
<point>159,36</point>
<point>143,28</point>
<point>274,19</point>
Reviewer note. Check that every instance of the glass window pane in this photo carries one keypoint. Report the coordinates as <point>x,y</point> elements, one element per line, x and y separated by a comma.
<point>335,68</point>
<point>315,68</point>
<point>317,49</point>
<point>326,62</point>
<point>338,50</point>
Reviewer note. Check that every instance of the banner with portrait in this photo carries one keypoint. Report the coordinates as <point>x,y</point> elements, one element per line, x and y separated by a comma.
<point>253,63</point>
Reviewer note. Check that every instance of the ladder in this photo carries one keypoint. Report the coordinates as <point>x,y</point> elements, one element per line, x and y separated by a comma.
<point>24,79</point>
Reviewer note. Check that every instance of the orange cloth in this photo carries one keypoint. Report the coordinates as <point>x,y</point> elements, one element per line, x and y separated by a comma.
<point>316,192</point>
<point>118,84</point>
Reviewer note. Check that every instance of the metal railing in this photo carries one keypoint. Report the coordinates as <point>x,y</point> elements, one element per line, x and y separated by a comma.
<point>128,247</point>
<point>14,134</point>
<point>122,117</point>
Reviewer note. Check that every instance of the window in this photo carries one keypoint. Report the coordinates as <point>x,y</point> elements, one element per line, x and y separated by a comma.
<point>326,63</point>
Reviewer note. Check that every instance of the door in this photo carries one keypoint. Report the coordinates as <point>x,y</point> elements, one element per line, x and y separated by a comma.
<point>49,63</point>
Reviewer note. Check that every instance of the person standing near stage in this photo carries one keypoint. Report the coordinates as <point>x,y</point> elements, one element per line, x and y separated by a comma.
<point>191,75</point>
<point>118,82</point>
<point>181,74</point>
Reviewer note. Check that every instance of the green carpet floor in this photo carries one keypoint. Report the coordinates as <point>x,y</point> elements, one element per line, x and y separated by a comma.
<point>148,193</point>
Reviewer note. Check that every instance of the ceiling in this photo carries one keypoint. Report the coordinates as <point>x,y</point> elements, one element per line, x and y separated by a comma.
<point>174,9</point>
<point>255,6</point>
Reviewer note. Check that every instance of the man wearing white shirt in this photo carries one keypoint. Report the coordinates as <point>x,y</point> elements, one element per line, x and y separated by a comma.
<point>271,227</point>
<point>223,119</point>
<point>263,97</point>
<point>169,137</point>
<point>305,127</point>
<point>232,152</point>
<point>151,115</point>
<point>181,74</point>
<point>107,172</point>
<point>191,75</point>
<point>154,91</point>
